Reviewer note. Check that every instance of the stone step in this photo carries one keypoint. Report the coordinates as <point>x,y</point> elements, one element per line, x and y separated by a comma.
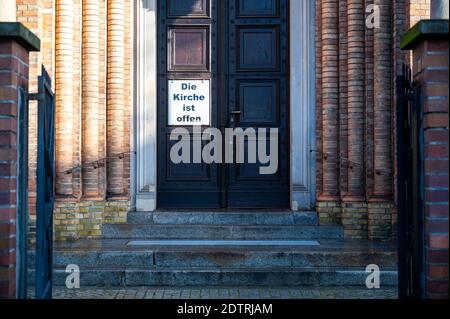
<point>229,257</point>
<point>224,218</point>
<point>213,232</point>
<point>306,277</point>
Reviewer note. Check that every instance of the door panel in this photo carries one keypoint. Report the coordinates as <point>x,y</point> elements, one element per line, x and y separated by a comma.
<point>187,44</point>
<point>258,102</point>
<point>258,48</point>
<point>241,46</point>
<point>258,94</point>
<point>258,8</point>
<point>189,49</point>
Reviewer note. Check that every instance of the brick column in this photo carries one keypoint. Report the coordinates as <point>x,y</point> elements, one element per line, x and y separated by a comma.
<point>15,44</point>
<point>343,96</point>
<point>64,147</point>
<point>430,45</point>
<point>116,96</point>
<point>380,205</point>
<point>328,200</point>
<point>93,176</point>
<point>354,213</point>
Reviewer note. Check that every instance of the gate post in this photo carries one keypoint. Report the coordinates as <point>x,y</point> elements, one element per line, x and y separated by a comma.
<point>16,42</point>
<point>429,42</point>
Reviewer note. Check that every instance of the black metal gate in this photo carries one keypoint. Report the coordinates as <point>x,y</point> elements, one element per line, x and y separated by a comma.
<point>410,186</point>
<point>22,195</point>
<point>45,187</point>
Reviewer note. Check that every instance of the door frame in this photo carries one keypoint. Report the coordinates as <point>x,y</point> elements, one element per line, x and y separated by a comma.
<point>144,136</point>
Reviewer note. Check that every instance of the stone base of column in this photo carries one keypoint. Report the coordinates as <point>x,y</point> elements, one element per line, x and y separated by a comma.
<point>354,219</point>
<point>380,220</point>
<point>329,212</point>
<point>85,219</point>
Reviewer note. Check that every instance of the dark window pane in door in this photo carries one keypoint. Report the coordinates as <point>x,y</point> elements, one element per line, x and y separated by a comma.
<point>188,49</point>
<point>188,8</point>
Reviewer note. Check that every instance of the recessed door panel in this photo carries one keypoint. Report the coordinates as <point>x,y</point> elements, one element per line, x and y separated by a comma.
<point>258,48</point>
<point>196,169</point>
<point>189,49</point>
<point>258,102</point>
<point>258,8</point>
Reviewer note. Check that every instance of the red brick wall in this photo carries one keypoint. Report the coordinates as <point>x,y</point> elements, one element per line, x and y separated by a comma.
<point>14,66</point>
<point>431,62</point>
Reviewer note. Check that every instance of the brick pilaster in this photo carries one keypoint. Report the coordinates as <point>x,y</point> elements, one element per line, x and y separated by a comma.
<point>14,69</point>
<point>354,212</point>
<point>330,98</point>
<point>356,100</point>
<point>65,113</point>
<point>91,122</point>
<point>383,181</point>
<point>319,108</point>
<point>343,95</point>
<point>435,87</point>
<point>116,94</point>
<point>329,192</point>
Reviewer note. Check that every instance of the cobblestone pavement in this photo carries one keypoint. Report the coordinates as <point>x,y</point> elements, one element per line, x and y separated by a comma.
<point>221,293</point>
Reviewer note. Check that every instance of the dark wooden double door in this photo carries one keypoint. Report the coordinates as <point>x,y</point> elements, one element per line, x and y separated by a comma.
<point>242,48</point>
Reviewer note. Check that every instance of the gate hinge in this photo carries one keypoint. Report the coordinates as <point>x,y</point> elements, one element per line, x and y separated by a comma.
<point>36,97</point>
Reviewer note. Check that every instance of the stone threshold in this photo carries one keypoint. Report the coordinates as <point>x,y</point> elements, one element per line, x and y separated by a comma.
<point>223,243</point>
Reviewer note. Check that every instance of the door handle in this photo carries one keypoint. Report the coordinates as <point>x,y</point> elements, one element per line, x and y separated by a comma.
<point>233,114</point>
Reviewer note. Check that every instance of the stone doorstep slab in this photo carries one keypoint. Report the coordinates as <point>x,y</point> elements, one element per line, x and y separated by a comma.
<point>221,257</point>
<point>311,277</point>
<point>121,245</point>
<point>224,218</point>
<point>223,243</point>
<point>215,232</point>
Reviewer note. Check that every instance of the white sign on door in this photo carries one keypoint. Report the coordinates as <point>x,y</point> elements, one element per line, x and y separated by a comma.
<point>189,102</point>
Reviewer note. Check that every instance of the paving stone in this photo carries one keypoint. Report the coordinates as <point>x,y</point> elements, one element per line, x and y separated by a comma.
<point>159,293</point>
<point>185,294</point>
<point>172,294</point>
<point>204,294</point>
<point>234,293</point>
<point>195,294</point>
<point>149,294</point>
<point>214,294</point>
<point>222,293</point>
